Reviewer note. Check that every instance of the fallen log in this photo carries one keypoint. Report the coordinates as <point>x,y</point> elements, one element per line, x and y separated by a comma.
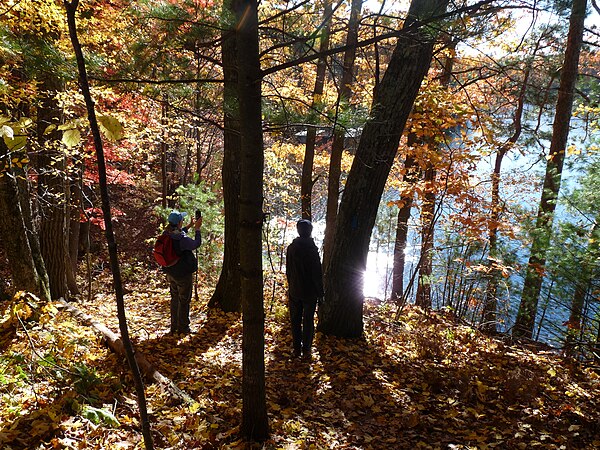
<point>114,342</point>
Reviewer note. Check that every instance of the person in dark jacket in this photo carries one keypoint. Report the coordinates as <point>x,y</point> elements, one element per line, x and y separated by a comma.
<point>181,274</point>
<point>305,285</point>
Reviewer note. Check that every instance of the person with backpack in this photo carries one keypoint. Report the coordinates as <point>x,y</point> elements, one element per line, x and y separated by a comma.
<point>305,286</point>
<point>179,263</point>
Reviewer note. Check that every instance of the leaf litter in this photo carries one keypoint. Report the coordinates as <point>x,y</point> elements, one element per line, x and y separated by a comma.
<point>422,382</point>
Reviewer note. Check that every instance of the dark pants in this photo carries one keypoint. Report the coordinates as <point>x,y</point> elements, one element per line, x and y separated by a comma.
<point>181,296</point>
<point>302,315</point>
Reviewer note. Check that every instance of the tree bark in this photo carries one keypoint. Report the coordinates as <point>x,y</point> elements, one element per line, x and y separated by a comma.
<point>311,132</point>
<point>423,297</point>
<point>19,240</point>
<point>342,311</point>
<point>255,424</point>
<point>71,8</point>
<point>53,191</point>
<point>525,320</point>
<point>339,134</point>
<point>227,295</point>
<point>412,174</point>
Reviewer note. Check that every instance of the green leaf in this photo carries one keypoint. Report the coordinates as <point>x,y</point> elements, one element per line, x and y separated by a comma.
<point>15,144</point>
<point>111,127</point>
<point>49,129</point>
<point>71,138</point>
<point>98,415</point>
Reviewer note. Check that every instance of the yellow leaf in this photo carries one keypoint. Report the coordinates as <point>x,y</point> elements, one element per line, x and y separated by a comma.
<point>194,407</point>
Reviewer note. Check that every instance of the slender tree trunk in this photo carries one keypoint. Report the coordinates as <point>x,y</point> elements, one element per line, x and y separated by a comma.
<point>227,295</point>
<point>583,283</point>
<point>339,134</point>
<point>428,219</point>
<point>71,8</point>
<point>525,320</point>
<point>423,297</point>
<point>342,311</point>
<point>400,247</point>
<point>412,174</point>
<point>53,191</point>
<point>19,240</point>
<point>311,132</point>
<point>490,305</point>
<point>163,154</point>
<point>255,424</point>
<point>75,215</point>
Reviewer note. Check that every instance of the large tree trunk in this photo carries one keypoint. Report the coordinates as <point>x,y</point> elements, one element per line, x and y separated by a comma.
<point>53,191</point>
<point>342,311</point>
<point>227,295</point>
<point>339,134</point>
<point>255,424</point>
<point>560,132</point>
<point>19,239</point>
<point>71,8</point>
<point>311,132</point>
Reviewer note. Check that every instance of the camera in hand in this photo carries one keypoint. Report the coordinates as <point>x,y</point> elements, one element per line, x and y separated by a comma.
<point>198,214</point>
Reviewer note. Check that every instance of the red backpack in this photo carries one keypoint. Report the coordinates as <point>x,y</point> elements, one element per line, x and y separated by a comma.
<point>164,251</point>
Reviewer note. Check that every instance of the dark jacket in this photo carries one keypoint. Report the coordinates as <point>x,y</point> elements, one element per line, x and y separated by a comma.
<point>303,269</point>
<point>184,246</point>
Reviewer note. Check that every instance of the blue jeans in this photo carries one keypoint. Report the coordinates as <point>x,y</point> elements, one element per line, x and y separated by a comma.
<point>302,317</point>
<point>181,297</point>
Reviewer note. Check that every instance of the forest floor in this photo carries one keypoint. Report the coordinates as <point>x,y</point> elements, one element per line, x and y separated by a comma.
<point>421,381</point>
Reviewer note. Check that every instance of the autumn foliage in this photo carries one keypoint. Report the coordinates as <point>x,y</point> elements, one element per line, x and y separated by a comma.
<point>423,381</point>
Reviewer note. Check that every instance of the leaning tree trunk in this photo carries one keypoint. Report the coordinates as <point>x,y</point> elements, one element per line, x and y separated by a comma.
<point>53,191</point>
<point>19,241</point>
<point>71,8</point>
<point>560,132</point>
<point>342,311</point>
<point>255,423</point>
<point>339,134</point>
<point>490,305</point>
<point>227,295</point>
<point>311,133</point>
